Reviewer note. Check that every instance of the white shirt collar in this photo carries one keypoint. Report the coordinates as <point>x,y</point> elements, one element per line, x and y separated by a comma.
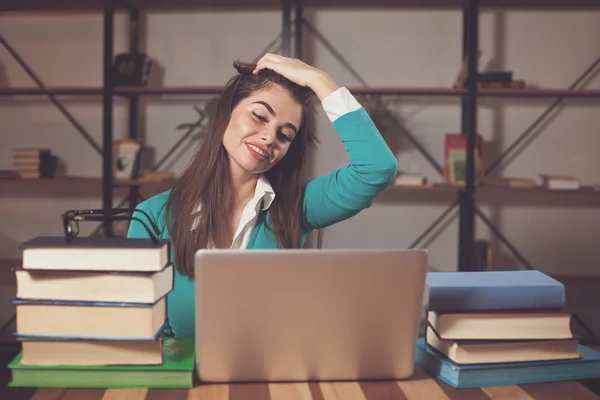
<point>264,191</point>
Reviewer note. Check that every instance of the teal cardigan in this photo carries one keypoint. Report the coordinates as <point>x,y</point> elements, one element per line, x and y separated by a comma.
<point>328,199</point>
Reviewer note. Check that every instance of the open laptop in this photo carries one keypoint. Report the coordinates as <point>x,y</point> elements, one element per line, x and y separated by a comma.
<point>306,315</point>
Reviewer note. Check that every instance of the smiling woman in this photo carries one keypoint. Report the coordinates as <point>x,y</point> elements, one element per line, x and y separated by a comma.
<point>245,186</point>
<point>258,136</point>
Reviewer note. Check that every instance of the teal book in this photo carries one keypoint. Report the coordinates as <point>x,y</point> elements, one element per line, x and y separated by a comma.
<point>502,374</point>
<point>176,371</point>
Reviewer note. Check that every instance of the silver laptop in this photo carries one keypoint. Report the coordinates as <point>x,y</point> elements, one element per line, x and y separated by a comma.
<point>306,315</point>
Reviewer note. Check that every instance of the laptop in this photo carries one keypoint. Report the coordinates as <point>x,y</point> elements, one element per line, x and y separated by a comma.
<point>307,315</point>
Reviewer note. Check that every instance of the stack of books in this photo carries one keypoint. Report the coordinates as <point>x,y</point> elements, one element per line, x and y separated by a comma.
<point>91,311</point>
<point>497,328</point>
<point>33,163</point>
<point>499,80</point>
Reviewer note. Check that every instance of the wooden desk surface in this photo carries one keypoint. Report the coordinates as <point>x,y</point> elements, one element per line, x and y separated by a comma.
<point>420,387</point>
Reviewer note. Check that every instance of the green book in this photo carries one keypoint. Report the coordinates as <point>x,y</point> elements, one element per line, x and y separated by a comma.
<point>176,371</point>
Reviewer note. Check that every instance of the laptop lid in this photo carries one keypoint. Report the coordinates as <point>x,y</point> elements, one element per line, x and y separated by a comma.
<point>300,315</point>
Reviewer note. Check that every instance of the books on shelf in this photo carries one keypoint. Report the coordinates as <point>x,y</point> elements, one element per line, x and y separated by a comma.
<point>455,158</point>
<point>494,328</point>
<point>410,179</point>
<point>34,163</point>
<point>560,182</point>
<point>93,311</point>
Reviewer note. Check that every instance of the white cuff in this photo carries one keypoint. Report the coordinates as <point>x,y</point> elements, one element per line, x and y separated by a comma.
<point>339,103</point>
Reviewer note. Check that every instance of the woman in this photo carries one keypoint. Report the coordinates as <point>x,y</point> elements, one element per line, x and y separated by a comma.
<point>245,187</point>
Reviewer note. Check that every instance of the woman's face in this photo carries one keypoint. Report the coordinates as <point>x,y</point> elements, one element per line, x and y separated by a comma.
<point>261,129</point>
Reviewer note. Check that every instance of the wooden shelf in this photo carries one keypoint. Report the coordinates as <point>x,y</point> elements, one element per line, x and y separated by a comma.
<point>77,180</point>
<point>407,91</point>
<point>57,90</point>
<point>167,5</point>
<point>145,182</point>
<point>448,187</point>
<point>212,90</point>
<point>74,186</point>
<point>68,180</point>
<point>169,90</point>
<point>539,93</point>
<point>443,194</point>
<point>216,90</point>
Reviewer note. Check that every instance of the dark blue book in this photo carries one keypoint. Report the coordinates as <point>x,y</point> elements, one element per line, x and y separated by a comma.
<point>493,290</point>
<point>502,374</point>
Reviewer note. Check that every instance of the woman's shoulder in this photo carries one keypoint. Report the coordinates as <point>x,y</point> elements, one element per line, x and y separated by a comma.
<point>155,204</point>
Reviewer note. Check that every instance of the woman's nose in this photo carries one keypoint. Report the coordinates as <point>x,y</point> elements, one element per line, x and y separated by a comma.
<point>268,136</point>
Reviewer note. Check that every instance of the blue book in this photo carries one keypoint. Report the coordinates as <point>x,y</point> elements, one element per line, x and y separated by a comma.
<point>502,374</point>
<point>493,290</point>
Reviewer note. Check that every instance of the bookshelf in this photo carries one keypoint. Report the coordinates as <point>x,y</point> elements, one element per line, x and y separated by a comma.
<point>126,91</point>
<point>469,95</point>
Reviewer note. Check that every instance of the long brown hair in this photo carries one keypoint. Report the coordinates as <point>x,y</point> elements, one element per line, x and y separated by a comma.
<point>206,179</point>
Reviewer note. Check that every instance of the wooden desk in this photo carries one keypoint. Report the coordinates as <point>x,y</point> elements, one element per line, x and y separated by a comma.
<point>420,387</point>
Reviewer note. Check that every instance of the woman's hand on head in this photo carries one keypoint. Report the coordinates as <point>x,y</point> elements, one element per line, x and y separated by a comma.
<point>298,72</point>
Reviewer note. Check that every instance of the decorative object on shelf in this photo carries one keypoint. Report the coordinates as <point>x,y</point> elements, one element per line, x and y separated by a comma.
<point>502,79</point>
<point>132,69</point>
<point>508,182</point>
<point>34,163</point>
<point>495,76</point>
<point>455,158</point>
<point>126,158</point>
<point>499,80</point>
<point>410,179</point>
<point>560,182</point>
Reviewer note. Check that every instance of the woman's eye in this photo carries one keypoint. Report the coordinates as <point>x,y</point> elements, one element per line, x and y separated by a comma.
<point>284,137</point>
<point>263,119</point>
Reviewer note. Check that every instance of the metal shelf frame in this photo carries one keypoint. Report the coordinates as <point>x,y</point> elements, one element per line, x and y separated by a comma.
<point>293,26</point>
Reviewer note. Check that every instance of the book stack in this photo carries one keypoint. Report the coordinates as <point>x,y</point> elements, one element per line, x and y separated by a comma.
<point>499,80</point>
<point>560,182</point>
<point>34,163</point>
<point>455,158</point>
<point>94,308</point>
<point>482,327</point>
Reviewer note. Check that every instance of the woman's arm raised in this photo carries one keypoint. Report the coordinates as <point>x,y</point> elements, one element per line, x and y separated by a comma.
<point>372,168</point>
<point>348,190</point>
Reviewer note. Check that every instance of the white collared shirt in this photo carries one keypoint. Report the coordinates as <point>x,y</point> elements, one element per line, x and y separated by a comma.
<point>263,195</point>
<point>335,105</point>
